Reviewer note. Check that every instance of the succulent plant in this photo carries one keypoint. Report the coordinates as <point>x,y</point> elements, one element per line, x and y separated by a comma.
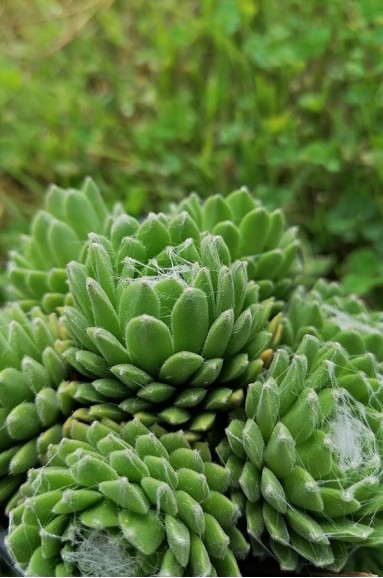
<point>329,313</point>
<point>38,390</point>
<point>176,343</point>
<point>126,501</point>
<point>308,456</point>
<point>59,233</point>
<point>251,233</point>
<point>173,321</point>
<point>31,368</point>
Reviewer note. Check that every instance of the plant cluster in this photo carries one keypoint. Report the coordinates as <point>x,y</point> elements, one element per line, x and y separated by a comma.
<point>173,403</point>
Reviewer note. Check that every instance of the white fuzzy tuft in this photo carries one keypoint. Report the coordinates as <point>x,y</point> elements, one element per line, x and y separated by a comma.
<point>98,553</point>
<point>351,439</point>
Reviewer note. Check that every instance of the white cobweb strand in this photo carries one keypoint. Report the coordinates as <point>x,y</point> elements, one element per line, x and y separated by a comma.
<point>345,438</point>
<point>351,439</point>
<point>347,322</point>
<point>179,266</point>
<point>98,553</point>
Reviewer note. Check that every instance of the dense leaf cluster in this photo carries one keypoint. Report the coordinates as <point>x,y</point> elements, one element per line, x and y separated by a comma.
<point>169,390</point>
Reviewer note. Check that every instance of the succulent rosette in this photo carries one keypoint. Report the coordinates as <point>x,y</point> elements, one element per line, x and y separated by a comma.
<point>59,233</point>
<point>252,233</point>
<point>31,369</point>
<point>307,456</point>
<point>126,501</point>
<point>328,312</point>
<point>174,339</point>
<point>173,321</point>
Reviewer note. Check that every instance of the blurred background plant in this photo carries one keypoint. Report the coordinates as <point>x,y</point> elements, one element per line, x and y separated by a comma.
<point>155,99</point>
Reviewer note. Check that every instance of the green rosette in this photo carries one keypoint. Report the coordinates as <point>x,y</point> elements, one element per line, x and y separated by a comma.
<point>126,501</point>
<point>305,460</point>
<point>176,338</point>
<point>31,370</point>
<point>38,390</point>
<point>58,234</point>
<point>252,233</point>
<point>331,314</point>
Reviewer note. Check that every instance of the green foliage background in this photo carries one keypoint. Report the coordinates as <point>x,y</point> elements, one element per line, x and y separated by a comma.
<point>155,99</point>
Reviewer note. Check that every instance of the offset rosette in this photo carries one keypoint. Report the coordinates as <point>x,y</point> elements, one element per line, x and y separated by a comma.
<point>59,233</point>
<point>329,313</point>
<point>176,342</point>
<point>31,369</point>
<point>126,500</point>
<point>251,233</point>
<point>307,457</point>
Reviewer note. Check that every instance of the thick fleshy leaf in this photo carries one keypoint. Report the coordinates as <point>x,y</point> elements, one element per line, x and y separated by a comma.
<point>275,524</point>
<point>133,377</point>
<point>144,532</point>
<point>178,537</point>
<point>190,512</point>
<point>267,412</point>
<point>153,234</point>
<point>76,501</point>
<point>156,392</point>
<point>219,335</point>
<point>272,491</point>
<point>200,564</point>
<point>174,416</point>
<point>103,515</point>
<point>100,267</point>
<point>138,298</point>
<point>160,495</point>
<point>104,314</point>
<point>190,321</point>
<point>286,557</point>
<point>319,554</point>
<point>62,252</point>
<point>149,343</point>
<point>128,463</point>
<point>207,373</point>
<point>180,367</point>
<point>302,490</point>
<point>89,471</point>
<point>22,542</point>
<point>160,469</point>
<point>253,443</point>
<point>108,345</point>
<point>254,230</point>
<point>250,482</point>
<point>221,508</point>
<point>127,495</point>
<point>280,455</point>
<point>306,526</point>
<point>23,421</point>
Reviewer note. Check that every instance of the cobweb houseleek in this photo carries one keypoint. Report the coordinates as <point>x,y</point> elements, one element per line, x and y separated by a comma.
<point>252,233</point>
<point>146,502</point>
<point>58,234</point>
<point>328,312</point>
<point>176,339</point>
<point>31,370</point>
<point>307,454</point>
